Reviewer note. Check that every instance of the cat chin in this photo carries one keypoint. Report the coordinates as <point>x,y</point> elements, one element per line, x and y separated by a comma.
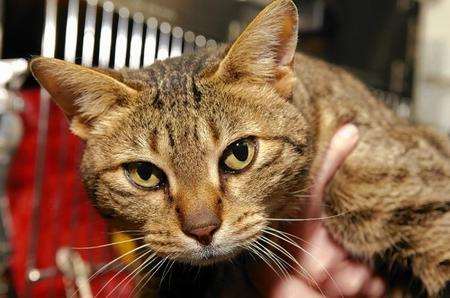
<point>207,256</point>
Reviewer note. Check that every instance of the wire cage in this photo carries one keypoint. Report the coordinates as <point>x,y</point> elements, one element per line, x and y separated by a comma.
<point>51,214</point>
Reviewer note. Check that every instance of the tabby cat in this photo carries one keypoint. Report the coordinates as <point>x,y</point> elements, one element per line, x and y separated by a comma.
<point>197,152</point>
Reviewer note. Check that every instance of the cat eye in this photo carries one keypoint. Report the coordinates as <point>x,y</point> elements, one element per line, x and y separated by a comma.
<point>145,174</point>
<point>238,156</point>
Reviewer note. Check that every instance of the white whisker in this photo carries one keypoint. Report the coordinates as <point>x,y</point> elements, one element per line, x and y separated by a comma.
<point>115,260</point>
<point>134,271</point>
<point>274,258</point>
<point>151,272</point>
<point>145,275</point>
<point>121,270</point>
<point>169,267</point>
<point>144,264</point>
<point>289,235</point>
<point>295,244</point>
<point>307,219</point>
<point>125,232</point>
<point>253,250</point>
<point>106,245</point>
<point>305,273</point>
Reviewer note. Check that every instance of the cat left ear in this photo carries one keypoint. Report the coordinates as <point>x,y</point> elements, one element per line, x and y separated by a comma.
<point>264,52</point>
<point>84,94</point>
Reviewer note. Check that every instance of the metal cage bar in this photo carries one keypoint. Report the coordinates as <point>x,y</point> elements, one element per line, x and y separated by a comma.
<point>48,50</point>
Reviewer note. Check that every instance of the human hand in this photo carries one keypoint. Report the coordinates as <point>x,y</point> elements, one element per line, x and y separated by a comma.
<point>326,268</point>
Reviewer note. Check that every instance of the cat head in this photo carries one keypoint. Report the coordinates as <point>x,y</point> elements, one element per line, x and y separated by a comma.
<point>196,152</point>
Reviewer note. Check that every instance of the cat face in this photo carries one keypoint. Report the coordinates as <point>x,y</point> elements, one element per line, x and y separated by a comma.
<point>199,174</point>
<point>198,152</point>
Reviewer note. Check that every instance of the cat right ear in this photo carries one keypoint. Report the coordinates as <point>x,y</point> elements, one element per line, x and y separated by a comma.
<point>82,93</point>
<point>264,52</point>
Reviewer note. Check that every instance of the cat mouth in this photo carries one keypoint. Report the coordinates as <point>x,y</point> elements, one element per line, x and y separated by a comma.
<point>207,255</point>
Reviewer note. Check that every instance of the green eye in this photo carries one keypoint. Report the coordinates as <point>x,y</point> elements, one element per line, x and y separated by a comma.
<point>145,174</point>
<point>238,155</point>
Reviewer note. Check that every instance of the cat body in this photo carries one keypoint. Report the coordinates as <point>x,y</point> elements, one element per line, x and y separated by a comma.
<point>199,152</point>
<point>393,189</point>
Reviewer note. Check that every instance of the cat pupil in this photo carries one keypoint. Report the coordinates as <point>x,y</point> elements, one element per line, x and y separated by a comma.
<point>240,151</point>
<point>144,171</point>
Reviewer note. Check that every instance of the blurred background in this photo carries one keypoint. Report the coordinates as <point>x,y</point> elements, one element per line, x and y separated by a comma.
<point>400,48</point>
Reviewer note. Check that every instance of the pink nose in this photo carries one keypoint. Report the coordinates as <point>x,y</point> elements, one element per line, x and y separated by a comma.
<point>203,235</point>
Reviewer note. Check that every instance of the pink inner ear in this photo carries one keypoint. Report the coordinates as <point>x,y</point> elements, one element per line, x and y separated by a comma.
<point>288,41</point>
<point>265,48</point>
<point>286,56</point>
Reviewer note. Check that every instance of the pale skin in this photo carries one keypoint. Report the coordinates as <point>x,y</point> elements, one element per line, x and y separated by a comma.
<point>334,272</point>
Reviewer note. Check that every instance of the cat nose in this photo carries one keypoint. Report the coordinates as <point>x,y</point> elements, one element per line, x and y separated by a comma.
<point>201,225</point>
<point>204,235</point>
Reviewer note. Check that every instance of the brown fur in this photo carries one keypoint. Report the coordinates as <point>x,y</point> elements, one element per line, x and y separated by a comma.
<point>393,191</point>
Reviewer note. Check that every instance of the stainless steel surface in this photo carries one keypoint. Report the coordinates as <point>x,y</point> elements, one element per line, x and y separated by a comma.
<point>48,50</point>
<point>12,75</point>
<point>150,41</point>
<point>189,39</point>
<point>212,17</point>
<point>10,136</point>
<point>164,41</point>
<point>136,40</point>
<point>200,42</point>
<point>177,42</point>
<point>105,34</point>
<point>49,35</point>
<point>70,46</point>
<point>121,38</point>
<point>89,33</point>
<point>76,272</point>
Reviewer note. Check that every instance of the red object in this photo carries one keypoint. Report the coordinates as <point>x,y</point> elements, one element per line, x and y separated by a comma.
<point>66,217</point>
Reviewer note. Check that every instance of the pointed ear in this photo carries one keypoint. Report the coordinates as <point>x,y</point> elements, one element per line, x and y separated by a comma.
<point>264,52</point>
<point>82,93</point>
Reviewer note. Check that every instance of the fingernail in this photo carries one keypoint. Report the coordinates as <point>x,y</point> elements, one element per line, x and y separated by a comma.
<point>348,131</point>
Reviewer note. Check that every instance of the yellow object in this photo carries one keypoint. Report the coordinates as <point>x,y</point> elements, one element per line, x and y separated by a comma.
<point>123,244</point>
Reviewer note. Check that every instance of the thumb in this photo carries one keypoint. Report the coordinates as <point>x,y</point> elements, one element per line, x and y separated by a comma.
<point>341,145</point>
